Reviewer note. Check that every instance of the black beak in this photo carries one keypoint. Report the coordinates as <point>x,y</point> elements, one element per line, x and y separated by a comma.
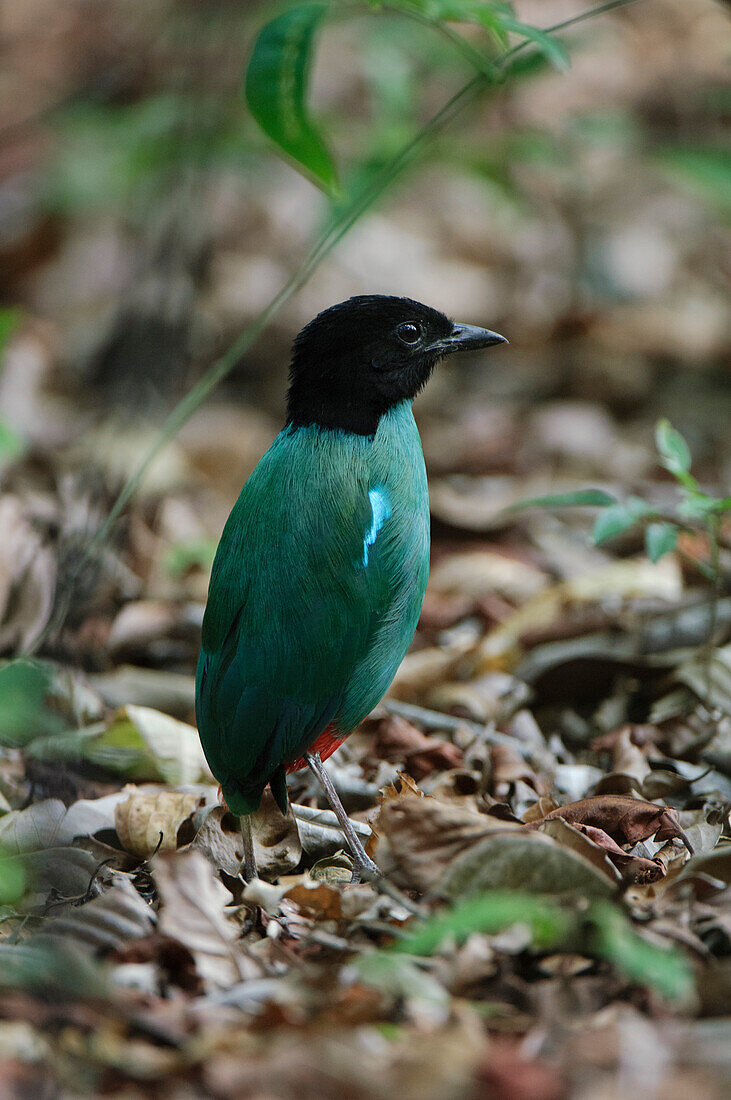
<point>469,338</point>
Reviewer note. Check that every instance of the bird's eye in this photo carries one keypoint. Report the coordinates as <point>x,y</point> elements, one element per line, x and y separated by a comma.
<point>408,333</point>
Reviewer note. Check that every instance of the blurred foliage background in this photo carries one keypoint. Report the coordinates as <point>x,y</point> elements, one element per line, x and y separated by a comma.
<point>145,220</point>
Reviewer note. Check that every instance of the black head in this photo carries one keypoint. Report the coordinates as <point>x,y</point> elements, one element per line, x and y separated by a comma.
<point>358,359</point>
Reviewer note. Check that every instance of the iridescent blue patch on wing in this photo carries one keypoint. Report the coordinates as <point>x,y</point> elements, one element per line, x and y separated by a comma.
<point>380,511</point>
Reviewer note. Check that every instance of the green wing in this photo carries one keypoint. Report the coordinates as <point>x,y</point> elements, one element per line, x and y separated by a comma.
<point>303,579</point>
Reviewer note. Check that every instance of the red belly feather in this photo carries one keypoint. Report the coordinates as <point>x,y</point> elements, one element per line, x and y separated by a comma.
<point>329,740</point>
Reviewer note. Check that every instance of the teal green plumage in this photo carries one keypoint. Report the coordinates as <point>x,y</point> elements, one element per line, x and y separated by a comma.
<point>315,594</point>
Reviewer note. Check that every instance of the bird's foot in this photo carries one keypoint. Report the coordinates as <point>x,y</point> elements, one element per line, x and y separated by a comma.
<point>364,870</point>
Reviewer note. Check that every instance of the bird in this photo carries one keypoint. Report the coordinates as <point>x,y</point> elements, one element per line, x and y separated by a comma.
<point>320,574</point>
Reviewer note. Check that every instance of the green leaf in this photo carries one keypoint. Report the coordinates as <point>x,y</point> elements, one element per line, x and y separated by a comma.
<point>660,539</point>
<point>276,88</point>
<point>497,17</point>
<point>553,50</point>
<point>139,743</point>
<point>12,881</point>
<point>582,498</point>
<point>707,170</point>
<point>491,913</point>
<point>490,15</point>
<point>24,712</point>
<point>674,451</point>
<point>9,321</point>
<point>12,445</point>
<point>618,518</point>
<point>664,969</point>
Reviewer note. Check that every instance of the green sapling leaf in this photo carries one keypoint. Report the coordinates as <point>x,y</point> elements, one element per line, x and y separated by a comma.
<point>619,518</point>
<point>276,88</point>
<point>674,451</point>
<point>660,539</point>
<point>592,498</point>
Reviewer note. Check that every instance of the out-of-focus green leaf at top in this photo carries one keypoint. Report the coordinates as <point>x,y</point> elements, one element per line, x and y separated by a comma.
<point>485,14</point>
<point>276,88</point>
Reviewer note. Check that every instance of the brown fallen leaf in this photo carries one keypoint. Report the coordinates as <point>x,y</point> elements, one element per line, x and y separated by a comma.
<point>403,786</point>
<point>540,809</point>
<point>149,820</point>
<point>316,900</point>
<point>193,903</point>
<point>626,820</point>
<point>421,670</point>
<point>440,611</point>
<point>507,767</point>
<point>640,734</point>
<point>628,758</point>
<point>396,739</point>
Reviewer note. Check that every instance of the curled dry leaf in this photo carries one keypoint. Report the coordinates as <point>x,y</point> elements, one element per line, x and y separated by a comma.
<point>625,820</point>
<point>148,821</point>
<point>634,868</point>
<point>581,842</point>
<point>277,844</point>
<point>403,786</point>
<point>539,809</point>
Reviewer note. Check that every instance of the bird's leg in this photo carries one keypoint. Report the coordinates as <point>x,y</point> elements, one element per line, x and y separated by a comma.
<point>364,867</point>
<point>248,865</point>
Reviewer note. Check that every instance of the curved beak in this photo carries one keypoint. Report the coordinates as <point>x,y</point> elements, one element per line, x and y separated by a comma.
<point>470,337</point>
